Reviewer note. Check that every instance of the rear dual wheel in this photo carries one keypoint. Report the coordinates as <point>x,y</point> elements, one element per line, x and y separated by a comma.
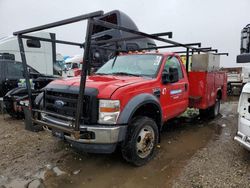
<point>215,109</point>
<point>212,111</point>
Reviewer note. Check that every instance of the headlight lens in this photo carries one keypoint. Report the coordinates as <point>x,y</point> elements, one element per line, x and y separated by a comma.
<point>109,111</point>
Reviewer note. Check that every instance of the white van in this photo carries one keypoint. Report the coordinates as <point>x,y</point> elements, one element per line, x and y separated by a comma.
<point>243,133</point>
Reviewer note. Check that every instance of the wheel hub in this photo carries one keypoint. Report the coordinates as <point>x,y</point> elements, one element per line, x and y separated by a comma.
<point>145,142</point>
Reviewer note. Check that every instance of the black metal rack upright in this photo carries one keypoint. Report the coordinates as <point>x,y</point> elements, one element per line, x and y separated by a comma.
<point>92,19</point>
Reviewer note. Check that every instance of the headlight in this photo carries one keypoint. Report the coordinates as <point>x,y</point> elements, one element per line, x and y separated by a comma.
<point>108,111</point>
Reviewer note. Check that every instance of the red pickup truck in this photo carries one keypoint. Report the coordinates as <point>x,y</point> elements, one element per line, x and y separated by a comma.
<point>127,101</point>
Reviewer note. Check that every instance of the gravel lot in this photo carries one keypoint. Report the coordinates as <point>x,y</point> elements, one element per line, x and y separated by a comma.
<point>222,163</point>
<point>192,153</point>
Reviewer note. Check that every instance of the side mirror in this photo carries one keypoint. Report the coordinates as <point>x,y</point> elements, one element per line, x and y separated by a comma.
<point>170,77</point>
<point>173,75</point>
<point>164,77</point>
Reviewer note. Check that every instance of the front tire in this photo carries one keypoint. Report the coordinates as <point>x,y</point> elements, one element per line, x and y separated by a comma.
<point>141,140</point>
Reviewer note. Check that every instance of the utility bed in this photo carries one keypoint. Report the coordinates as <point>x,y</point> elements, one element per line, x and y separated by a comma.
<point>204,86</point>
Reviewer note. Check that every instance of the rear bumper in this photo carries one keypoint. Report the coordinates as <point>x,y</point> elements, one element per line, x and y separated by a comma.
<point>100,138</point>
<point>243,134</point>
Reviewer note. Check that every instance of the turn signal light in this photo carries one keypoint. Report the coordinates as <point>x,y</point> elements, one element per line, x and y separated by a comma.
<point>107,109</point>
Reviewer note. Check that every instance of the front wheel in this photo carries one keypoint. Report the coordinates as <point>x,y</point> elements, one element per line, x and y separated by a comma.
<point>141,140</point>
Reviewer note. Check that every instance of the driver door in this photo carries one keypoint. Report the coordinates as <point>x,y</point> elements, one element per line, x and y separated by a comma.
<point>174,96</point>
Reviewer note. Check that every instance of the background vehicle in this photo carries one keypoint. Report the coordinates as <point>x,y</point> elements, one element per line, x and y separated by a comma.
<point>237,77</point>
<point>129,98</point>
<point>12,83</point>
<point>72,66</point>
<point>40,55</point>
<point>104,37</point>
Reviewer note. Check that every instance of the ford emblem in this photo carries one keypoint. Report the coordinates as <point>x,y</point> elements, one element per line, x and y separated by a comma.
<point>59,104</point>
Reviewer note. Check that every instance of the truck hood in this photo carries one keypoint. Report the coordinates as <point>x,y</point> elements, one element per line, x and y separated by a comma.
<point>106,85</point>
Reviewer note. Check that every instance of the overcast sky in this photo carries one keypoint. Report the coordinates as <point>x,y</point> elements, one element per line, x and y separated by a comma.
<point>215,23</point>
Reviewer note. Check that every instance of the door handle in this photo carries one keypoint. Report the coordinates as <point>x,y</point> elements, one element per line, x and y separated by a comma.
<point>157,92</point>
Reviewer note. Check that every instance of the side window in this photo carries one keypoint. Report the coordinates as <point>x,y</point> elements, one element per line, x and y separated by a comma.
<point>173,62</point>
<point>14,70</point>
<point>33,43</point>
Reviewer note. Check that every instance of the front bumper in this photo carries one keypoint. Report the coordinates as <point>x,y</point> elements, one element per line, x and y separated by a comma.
<point>99,139</point>
<point>105,141</point>
<point>243,134</point>
<point>103,134</point>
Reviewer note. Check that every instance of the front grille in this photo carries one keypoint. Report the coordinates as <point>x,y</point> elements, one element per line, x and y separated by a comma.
<point>66,104</point>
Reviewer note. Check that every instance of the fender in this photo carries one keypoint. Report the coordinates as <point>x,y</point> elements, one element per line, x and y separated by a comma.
<point>134,104</point>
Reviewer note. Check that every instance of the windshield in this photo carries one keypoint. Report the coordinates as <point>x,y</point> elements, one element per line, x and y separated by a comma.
<point>134,65</point>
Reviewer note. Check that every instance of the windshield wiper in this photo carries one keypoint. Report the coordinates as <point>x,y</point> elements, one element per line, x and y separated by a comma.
<point>97,73</point>
<point>114,61</point>
<point>125,73</point>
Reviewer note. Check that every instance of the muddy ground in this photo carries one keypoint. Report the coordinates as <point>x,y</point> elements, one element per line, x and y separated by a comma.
<point>192,153</point>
